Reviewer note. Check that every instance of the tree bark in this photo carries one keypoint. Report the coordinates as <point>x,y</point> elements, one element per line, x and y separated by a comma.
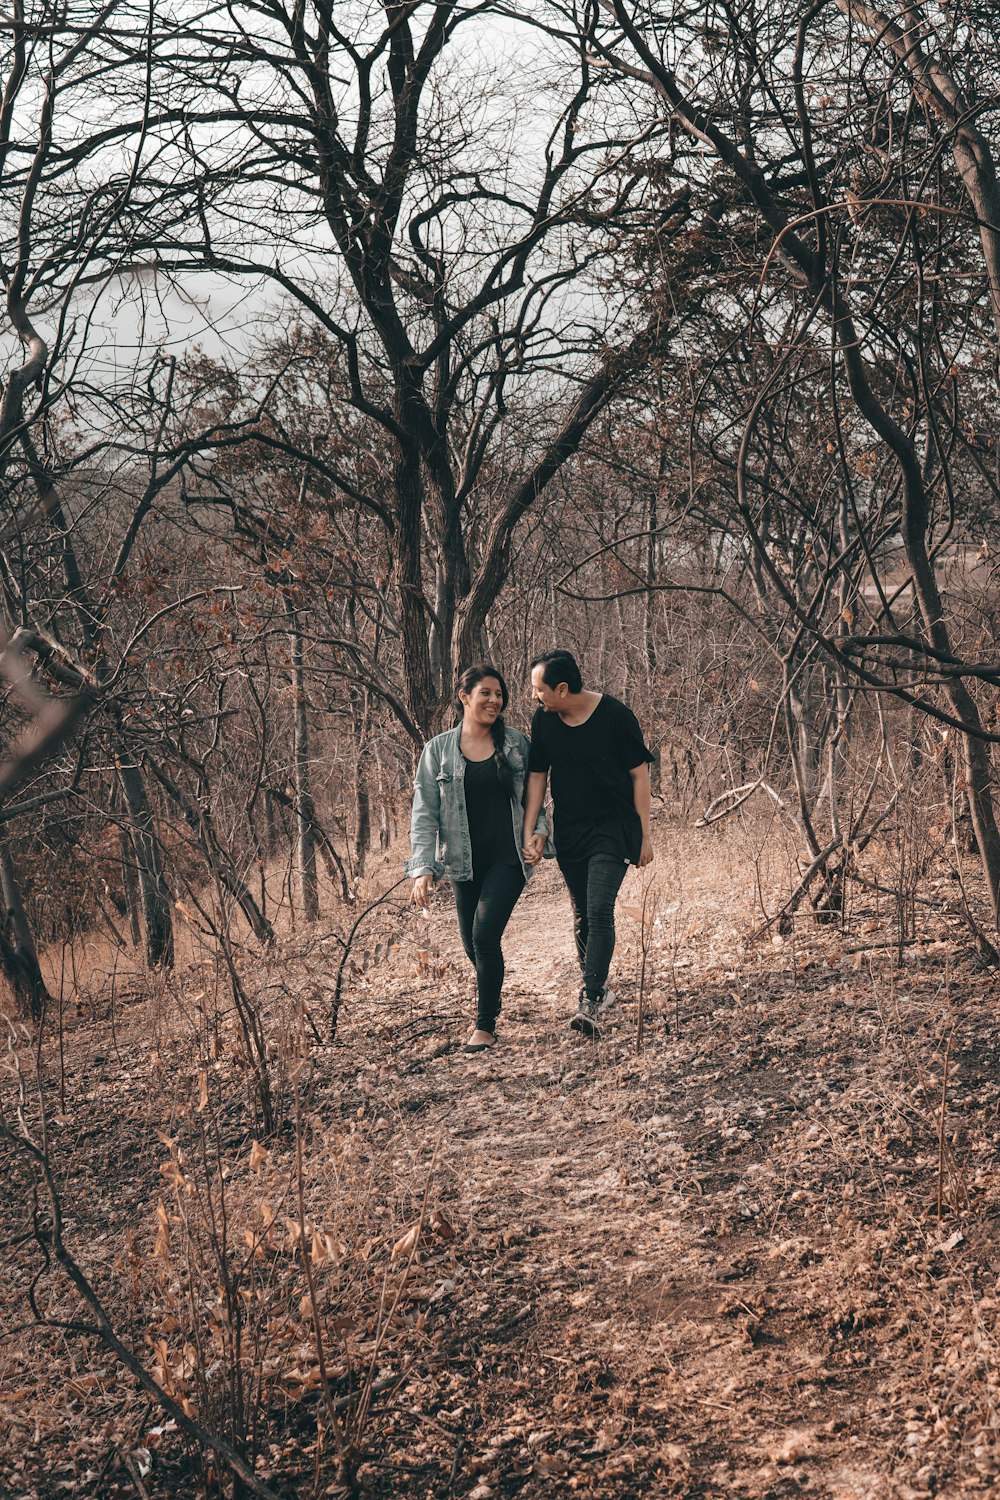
<point>305,811</point>
<point>17,947</point>
<point>155,897</point>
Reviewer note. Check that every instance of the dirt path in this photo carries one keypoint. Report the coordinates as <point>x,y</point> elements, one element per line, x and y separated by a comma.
<point>754,1258</point>
<point>690,1269</point>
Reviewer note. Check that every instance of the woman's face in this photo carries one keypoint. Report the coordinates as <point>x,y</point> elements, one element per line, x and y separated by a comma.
<point>484,702</point>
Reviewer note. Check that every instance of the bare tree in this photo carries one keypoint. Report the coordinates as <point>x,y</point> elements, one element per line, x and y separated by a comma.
<point>453,290</point>
<point>860,268</point>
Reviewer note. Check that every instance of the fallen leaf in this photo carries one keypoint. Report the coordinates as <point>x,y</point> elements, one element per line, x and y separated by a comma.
<point>440,1226</point>
<point>161,1249</point>
<point>406,1242</point>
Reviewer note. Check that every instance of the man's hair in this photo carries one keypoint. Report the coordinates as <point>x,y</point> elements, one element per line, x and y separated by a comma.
<point>557,667</point>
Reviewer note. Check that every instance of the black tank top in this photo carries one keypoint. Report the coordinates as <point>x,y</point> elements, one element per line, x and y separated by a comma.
<point>491,825</point>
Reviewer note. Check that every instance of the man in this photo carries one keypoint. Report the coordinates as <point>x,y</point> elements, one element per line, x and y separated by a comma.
<point>594,748</point>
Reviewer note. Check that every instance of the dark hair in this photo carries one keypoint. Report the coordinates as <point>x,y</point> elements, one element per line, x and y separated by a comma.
<point>559,666</point>
<point>466,682</point>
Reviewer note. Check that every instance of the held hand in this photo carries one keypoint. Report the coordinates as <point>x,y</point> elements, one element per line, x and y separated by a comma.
<point>533,848</point>
<point>646,852</point>
<point>420,894</point>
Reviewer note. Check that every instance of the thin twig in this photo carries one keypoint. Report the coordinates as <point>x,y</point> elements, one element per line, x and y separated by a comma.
<point>941,1125</point>
<point>335,1008</point>
<point>134,1475</point>
<point>741,794</point>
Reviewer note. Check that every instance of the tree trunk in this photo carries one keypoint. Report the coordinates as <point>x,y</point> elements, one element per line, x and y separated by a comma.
<point>649,598</point>
<point>305,812</point>
<point>413,614</point>
<point>156,911</point>
<point>130,887</point>
<point>382,803</point>
<point>362,796</point>
<point>362,822</point>
<point>17,948</point>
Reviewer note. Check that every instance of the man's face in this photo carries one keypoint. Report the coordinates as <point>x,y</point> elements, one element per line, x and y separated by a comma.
<point>551,699</point>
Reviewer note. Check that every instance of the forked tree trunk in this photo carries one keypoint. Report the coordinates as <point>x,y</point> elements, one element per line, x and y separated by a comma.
<point>199,820</point>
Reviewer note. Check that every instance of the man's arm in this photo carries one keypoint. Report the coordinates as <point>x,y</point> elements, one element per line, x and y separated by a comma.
<point>641,796</point>
<point>534,796</point>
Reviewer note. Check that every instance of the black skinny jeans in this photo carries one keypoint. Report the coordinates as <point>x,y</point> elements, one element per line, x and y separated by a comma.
<point>484,906</point>
<point>593,889</point>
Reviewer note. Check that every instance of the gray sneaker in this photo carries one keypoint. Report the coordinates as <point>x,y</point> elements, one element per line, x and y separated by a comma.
<point>589,1012</point>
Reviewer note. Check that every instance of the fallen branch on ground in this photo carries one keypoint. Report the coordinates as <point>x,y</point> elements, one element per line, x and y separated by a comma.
<point>741,794</point>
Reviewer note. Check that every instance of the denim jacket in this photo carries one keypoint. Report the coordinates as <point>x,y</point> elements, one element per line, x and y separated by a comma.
<point>439,829</point>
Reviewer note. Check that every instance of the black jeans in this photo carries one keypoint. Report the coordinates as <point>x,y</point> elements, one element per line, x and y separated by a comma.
<point>593,889</point>
<point>484,906</point>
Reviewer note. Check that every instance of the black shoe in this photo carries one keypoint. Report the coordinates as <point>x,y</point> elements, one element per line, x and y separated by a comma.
<point>482,1046</point>
<point>589,1012</point>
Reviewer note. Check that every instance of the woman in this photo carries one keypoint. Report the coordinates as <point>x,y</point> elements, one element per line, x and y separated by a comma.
<point>467,824</point>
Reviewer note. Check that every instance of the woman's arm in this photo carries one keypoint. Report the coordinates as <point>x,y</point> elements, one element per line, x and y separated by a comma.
<point>425,819</point>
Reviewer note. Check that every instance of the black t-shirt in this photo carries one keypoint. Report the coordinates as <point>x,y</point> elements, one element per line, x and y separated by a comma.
<point>592,796</point>
<point>491,824</point>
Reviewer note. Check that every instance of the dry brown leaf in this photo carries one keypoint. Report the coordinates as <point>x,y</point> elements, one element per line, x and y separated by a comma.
<point>318,1252</point>
<point>294,1231</point>
<point>258,1156</point>
<point>406,1242</point>
<point>440,1226</point>
<point>172,1172</point>
<point>161,1248</point>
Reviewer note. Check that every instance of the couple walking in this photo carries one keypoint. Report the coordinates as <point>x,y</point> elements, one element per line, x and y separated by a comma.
<point>478,817</point>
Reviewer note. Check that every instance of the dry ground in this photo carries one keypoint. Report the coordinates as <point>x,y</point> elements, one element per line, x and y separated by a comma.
<point>755,1257</point>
